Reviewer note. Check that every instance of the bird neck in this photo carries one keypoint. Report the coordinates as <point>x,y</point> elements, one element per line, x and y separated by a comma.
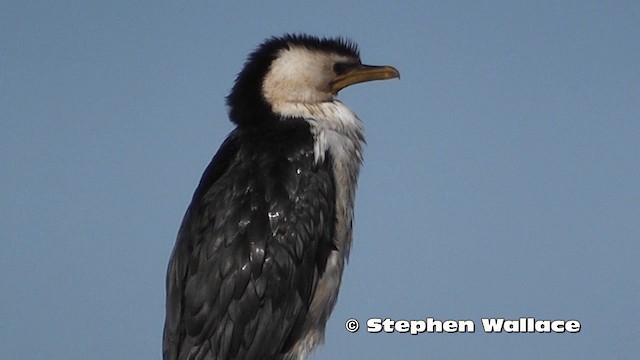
<point>335,127</point>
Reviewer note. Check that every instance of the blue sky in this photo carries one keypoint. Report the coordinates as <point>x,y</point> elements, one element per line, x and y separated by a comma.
<point>501,175</point>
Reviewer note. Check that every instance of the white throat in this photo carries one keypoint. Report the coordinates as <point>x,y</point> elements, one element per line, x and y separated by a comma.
<point>335,127</point>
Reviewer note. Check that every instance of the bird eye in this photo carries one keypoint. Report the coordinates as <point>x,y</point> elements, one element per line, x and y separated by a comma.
<point>342,67</point>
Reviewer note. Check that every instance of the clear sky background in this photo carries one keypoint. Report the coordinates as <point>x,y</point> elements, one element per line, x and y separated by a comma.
<point>501,179</point>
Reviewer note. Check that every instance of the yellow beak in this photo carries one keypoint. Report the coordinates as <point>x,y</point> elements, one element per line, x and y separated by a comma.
<point>363,73</point>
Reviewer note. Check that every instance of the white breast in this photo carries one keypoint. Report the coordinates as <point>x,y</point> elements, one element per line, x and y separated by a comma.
<point>338,133</point>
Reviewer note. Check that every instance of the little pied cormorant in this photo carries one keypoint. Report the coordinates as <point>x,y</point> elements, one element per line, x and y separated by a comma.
<point>257,264</point>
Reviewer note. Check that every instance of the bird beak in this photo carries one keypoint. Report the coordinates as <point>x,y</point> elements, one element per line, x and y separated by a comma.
<point>363,73</point>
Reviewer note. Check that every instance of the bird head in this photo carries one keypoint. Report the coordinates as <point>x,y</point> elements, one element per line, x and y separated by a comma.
<point>297,69</point>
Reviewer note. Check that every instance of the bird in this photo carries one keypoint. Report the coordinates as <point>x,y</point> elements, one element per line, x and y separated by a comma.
<point>258,260</point>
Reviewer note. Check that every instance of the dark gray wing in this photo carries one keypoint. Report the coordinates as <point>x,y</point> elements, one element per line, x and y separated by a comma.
<point>251,246</point>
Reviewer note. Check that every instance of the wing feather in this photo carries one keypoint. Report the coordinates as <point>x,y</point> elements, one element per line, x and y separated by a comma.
<point>250,248</point>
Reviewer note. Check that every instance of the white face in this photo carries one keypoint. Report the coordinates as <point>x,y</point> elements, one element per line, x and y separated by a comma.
<point>300,75</point>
